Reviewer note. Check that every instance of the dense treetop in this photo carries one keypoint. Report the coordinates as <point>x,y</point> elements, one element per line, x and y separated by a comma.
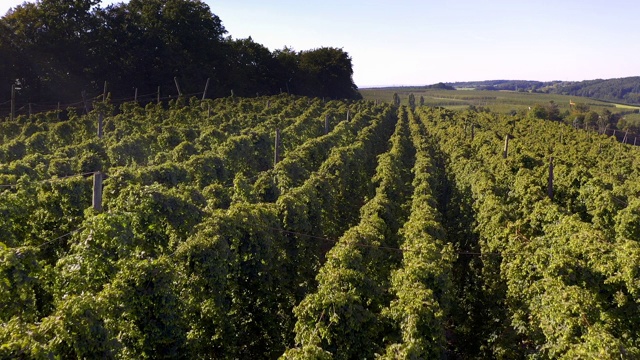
<point>53,50</point>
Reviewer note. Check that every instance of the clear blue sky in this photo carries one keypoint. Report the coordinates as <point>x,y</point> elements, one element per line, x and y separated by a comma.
<point>411,42</point>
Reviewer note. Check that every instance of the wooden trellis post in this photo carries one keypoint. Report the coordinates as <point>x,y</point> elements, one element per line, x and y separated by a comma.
<point>84,100</point>
<point>104,93</point>
<point>175,80</point>
<point>276,152</point>
<point>97,191</point>
<point>135,95</point>
<point>100,120</point>
<point>158,94</point>
<point>206,87</point>
<point>506,146</point>
<point>326,124</point>
<point>550,184</point>
<point>13,102</point>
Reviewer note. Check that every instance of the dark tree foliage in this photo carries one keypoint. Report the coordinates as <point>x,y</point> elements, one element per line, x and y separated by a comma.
<point>326,72</point>
<point>53,50</point>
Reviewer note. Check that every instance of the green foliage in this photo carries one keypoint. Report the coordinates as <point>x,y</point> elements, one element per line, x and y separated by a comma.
<point>343,315</point>
<point>422,285</point>
<point>19,282</point>
<point>146,44</point>
<point>402,233</point>
<point>141,304</point>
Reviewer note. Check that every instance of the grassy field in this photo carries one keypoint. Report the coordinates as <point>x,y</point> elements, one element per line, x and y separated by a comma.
<point>499,101</point>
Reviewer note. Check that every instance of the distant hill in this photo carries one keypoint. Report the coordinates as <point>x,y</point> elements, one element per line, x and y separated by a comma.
<point>624,90</point>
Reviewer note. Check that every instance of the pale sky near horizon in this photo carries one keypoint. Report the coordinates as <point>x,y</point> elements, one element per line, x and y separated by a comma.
<point>411,42</point>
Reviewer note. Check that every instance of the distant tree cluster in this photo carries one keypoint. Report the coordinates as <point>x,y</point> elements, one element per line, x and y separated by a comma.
<point>440,86</point>
<point>623,90</point>
<point>52,50</point>
<point>626,90</point>
<point>581,115</point>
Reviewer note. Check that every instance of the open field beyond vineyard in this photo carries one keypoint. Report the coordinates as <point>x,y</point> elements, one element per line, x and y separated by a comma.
<point>499,101</point>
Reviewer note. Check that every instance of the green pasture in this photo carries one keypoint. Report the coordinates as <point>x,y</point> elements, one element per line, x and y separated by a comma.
<point>498,101</point>
<point>624,106</point>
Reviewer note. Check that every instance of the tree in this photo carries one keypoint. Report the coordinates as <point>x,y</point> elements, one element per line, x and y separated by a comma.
<point>252,68</point>
<point>553,113</point>
<point>412,101</point>
<point>288,69</point>
<point>327,72</point>
<point>538,112</point>
<point>607,117</point>
<point>159,40</point>
<point>591,119</point>
<point>54,39</point>
<point>581,108</point>
<point>396,99</point>
<point>53,50</point>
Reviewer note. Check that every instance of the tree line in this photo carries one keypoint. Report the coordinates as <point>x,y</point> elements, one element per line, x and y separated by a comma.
<point>626,90</point>
<point>53,50</point>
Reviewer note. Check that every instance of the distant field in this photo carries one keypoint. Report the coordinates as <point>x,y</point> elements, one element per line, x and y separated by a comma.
<point>499,101</point>
<point>624,106</point>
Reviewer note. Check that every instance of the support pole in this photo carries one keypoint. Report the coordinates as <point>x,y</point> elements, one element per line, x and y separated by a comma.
<point>625,137</point>
<point>13,102</point>
<point>206,87</point>
<point>550,185</point>
<point>326,124</point>
<point>84,101</point>
<point>135,95</point>
<point>175,79</point>
<point>30,112</point>
<point>276,153</point>
<point>97,191</point>
<point>100,118</point>
<point>506,147</point>
<point>158,94</point>
<point>348,115</point>
<point>58,112</point>
<point>104,93</point>
<point>473,127</point>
